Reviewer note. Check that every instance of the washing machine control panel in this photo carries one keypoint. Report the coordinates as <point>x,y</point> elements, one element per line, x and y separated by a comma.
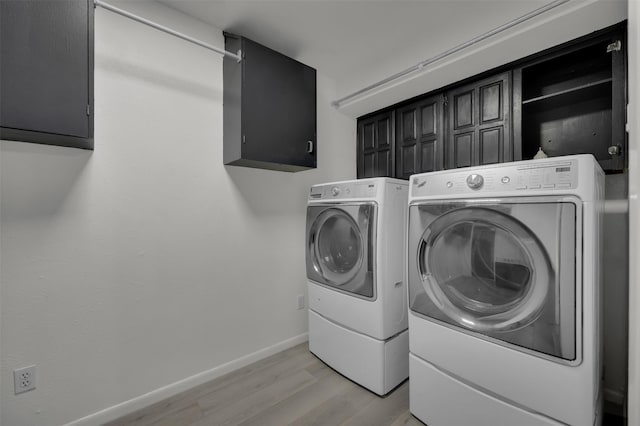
<point>535,175</point>
<point>341,191</point>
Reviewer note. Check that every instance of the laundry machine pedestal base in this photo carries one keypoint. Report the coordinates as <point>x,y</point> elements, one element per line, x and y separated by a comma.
<point>378,365</point>
<point>439,399</point>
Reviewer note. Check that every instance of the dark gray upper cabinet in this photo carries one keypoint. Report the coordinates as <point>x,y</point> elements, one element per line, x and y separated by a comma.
<point>479,116</point>
<point>269,109</point>
<point>420,137</point>
<point>376,141</point>
<point>46,72</point>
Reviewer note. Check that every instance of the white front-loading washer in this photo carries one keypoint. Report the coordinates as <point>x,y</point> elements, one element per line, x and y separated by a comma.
<point>504,294</point>
<point>357,294</point>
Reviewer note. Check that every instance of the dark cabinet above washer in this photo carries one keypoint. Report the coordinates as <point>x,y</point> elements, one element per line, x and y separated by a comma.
<point>269,109</point>
<point>570,99</point>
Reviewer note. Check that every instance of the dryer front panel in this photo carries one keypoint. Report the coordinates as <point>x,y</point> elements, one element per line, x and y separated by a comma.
<point>498,269</point>
<point>340,247</point>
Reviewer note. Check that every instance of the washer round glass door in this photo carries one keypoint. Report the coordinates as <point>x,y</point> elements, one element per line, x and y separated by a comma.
<point>340,247</point>
<point>484,269</point>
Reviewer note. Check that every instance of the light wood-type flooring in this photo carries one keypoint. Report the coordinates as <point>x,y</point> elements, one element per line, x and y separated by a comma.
<point>289,388</point>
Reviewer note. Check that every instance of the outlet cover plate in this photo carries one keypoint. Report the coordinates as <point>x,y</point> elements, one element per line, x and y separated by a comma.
<point>24,379</point>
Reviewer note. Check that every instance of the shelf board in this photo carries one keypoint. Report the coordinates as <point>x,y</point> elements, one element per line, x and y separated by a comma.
<point>576,89</point>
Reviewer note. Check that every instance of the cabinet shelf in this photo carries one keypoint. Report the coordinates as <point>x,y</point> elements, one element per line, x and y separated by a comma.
<point>574,91</point>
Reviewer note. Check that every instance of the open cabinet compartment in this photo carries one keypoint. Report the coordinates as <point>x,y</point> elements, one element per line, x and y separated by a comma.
<point>570,103</point>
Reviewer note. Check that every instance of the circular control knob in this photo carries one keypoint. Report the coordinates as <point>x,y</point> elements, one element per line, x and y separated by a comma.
<point>475,181</point>
<point>335,191</point>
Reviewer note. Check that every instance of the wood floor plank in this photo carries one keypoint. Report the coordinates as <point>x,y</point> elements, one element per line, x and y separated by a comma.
<point>319,369</point>
<point>184,417</point>
<point>382,411</point>
<point>301,403</point>
<point>223,396</point>
<point>338,408</point>
<point>247,407</point>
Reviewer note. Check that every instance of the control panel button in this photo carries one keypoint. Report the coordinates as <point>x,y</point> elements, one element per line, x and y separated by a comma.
<point>549,185</point>
<point>449,184</point>
<point>335,191</point>
<point>505,179</point>
<point>563,185</point>
<point>475,181</point>
<point>535,186</point>
<point>521,187</point>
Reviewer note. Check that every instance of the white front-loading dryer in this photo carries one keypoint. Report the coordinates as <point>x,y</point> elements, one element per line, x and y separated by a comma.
<point>504,293</point>
<point>357,294</point>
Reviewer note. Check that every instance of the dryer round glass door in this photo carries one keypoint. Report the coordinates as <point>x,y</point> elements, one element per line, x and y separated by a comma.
<point>499,269</point>
<point>339,247</point>
<point>478,265</point>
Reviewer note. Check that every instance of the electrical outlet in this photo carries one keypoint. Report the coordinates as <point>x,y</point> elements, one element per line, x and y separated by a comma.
<point>300,301</point>
<point>24,379</point>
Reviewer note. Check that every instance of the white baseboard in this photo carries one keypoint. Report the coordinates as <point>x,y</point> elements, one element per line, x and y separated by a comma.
<point>168,391</point>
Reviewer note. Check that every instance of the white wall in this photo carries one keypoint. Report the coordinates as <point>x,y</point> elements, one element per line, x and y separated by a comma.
<point>147,262</point>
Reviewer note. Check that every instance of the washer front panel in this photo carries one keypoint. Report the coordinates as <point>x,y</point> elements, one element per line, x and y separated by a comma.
<point>498,269</point>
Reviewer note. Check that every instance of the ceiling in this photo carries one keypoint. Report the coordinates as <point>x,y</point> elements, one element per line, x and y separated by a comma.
<point>344,39</point>
<point>358,43</point>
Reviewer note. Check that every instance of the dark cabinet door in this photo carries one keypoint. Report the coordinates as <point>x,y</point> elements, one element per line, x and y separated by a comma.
<point>46,71</point>
<point>420,137</point>
<point>376,145</point>
<point>479,117</point>
<point>278,108</point>
<point>269,109</point>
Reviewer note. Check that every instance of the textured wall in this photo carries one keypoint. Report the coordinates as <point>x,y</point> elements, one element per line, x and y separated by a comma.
<point>147,261</point>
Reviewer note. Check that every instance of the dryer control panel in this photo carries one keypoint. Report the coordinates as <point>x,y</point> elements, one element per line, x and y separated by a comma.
<point>341,191</point>
<point>533,176</point>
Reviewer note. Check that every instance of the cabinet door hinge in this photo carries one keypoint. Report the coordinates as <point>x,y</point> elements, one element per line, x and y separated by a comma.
<point>445,101</point>
<point>615,46</point>
<point>88,110</point>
